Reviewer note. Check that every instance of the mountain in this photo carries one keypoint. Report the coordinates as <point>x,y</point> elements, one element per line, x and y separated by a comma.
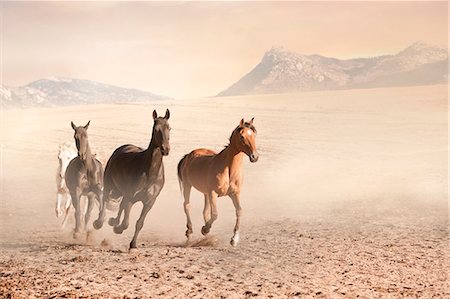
<point>66,91</point>
<point>282,71</point>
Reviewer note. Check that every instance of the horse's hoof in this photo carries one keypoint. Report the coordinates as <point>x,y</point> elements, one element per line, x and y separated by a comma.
<point>77,235</point>
<point>113,222</point>
<point>205,230</point>
<point>133,245</point>
<point>188,238</point>
<point>188,242</point>
<point>133,251</point>
<point>97,224</point>
<point>234,240</point>
<point>118,229</point>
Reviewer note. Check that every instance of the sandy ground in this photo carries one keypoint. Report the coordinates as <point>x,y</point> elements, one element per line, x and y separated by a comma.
<point>348,199</point>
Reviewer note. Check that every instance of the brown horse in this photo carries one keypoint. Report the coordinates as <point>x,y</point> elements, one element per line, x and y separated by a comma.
<point>136,175</point>
<point>217,175</point>
<point>84,176</point>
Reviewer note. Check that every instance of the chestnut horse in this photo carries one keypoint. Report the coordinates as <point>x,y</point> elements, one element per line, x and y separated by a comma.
<point>84,176</point>
<point>136,175</point>
<point>218,174</point>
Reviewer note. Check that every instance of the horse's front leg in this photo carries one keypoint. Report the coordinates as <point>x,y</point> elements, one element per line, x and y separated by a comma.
<point>67,203</point>
<point>140,222</point>
<point>76,204</point>
<point>237,205</point>
<point>58,208</point>
<point>90,205</point>
<point>212,198</point>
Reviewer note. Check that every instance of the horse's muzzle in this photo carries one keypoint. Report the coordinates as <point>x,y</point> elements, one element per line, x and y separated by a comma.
<point>165,150</point>
<point>254,157</point>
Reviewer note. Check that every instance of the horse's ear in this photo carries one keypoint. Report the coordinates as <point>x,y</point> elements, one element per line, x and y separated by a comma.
<point>241,124</point>
<point>251,121</point>
<point>167,116</point>
<point>73,125</point>
<point>155,115</point>
<point>87,125</point>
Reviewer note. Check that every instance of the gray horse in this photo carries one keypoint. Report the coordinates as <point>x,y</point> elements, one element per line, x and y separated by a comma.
<point>84,177</point>
<point>136,175</point>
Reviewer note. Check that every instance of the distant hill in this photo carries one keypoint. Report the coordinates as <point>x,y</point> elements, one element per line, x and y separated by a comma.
<point>282,71</point>
<point>66,91</point>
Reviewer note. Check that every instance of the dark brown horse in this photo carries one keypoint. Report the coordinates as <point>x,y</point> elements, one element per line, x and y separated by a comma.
<point>84,176</point>
<point>217,175</point>
<point>136,175</point>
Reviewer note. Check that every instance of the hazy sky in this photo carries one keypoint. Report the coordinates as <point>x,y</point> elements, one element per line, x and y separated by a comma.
<point>195,49</point>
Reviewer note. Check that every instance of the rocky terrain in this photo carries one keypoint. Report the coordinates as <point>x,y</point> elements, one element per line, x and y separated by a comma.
<point>283,71</point>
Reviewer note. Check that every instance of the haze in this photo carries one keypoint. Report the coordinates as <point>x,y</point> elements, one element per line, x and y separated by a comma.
<point>197,49</point>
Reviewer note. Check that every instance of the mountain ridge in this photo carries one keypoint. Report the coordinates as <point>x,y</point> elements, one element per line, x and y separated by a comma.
<point>61,91</point>
<point>281,71</point>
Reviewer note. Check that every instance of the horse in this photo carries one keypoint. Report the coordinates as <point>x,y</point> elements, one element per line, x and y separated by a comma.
<point>136,175</point>
<point>84,177</point>
<point>216,175</point>
<point>66,152</point>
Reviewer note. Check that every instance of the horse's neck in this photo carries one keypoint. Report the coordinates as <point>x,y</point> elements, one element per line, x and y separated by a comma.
<point>63,167</point>
<point>231,159</point>
<point>153,158</point>
<point>61,173</point>
<point>89,162</point>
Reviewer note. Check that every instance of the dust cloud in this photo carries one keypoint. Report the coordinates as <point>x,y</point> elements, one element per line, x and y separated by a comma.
<point>333,164</point>
<point>319,152</point>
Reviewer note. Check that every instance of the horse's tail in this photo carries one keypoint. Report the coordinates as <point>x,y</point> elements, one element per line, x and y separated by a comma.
<point>180,167</point>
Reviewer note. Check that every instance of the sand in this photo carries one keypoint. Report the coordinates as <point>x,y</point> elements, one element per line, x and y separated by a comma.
<point>348,199</point>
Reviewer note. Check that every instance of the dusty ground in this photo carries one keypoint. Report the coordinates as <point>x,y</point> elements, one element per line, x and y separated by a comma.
<point>349,199</point>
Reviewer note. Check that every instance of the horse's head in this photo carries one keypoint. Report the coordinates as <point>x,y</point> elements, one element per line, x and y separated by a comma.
<point>161,132</point>
<point>244,139</point>
<point>81,139</point>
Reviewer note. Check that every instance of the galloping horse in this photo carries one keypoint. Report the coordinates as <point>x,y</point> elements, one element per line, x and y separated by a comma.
<point>63,201</point>
<point>136,175</point>
<point>84,176</point>
<point>217,175</point>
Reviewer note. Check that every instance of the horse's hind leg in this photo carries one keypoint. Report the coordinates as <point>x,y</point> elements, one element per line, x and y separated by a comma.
<point>103,198</point>
<point>140,222</point>
<point>115,221</point>
<point>212,198</point>
<point>126,217</point>
<point>187,209</point>
<point>207,210</point>
<point>237,205</point>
